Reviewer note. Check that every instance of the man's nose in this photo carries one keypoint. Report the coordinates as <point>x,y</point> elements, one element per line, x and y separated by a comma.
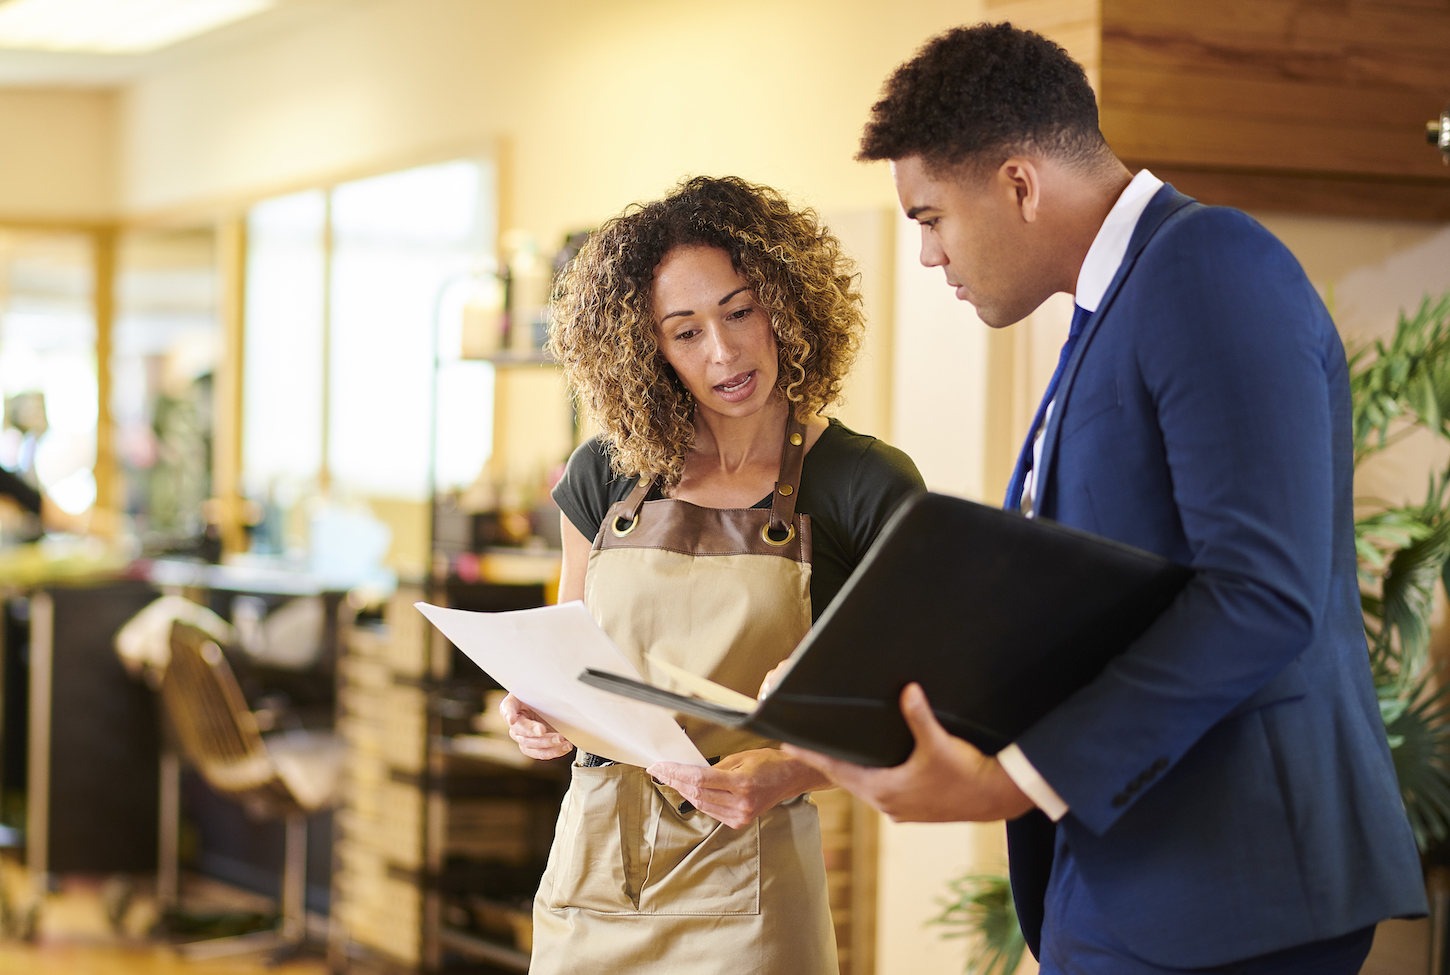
<point>932,254</point>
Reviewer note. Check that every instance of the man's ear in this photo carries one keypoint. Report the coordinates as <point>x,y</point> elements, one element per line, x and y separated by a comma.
<point>1022,180</point>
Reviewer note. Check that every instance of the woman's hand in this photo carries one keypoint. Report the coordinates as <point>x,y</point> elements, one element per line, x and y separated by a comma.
<point>742,786</point>
<point>535,736</point>
<point>774,677</point>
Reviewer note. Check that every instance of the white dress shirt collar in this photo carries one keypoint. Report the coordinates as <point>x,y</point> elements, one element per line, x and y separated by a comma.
<point>1110,246</point>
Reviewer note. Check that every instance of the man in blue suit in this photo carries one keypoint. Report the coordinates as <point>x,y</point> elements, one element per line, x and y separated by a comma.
<point>1221,799</point>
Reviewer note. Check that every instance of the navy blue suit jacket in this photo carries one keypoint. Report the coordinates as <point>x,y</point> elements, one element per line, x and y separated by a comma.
<point>1229,782</point>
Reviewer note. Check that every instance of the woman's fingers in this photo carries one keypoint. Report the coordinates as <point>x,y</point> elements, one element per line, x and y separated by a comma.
<point>536,738</point>
<point>523,719</point>
<point>545,749</point>
<point>722,793</point>
<point>773,678</point>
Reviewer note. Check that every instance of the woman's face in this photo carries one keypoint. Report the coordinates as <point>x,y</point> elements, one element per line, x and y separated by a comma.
<point>713,332</point>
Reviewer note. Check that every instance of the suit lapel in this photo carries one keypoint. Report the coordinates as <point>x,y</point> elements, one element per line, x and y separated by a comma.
<point>1165,203</point>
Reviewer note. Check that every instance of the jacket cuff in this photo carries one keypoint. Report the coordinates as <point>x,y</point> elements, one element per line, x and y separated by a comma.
<point>1031,782</point>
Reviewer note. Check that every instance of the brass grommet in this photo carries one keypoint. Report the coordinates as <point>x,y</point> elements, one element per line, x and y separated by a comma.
<point>765,534</point>
<point>786,490</point>
<point>795,440</point>
<point>621,532</point>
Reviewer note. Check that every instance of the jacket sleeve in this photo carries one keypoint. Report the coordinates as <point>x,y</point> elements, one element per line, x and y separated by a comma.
<point>1231,344</point>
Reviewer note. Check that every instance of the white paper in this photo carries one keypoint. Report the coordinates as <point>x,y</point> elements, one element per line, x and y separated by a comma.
<point>538,654</point>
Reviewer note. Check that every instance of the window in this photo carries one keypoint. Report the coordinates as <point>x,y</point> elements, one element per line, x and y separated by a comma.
<point>48,363</point>
<point>346,289</point>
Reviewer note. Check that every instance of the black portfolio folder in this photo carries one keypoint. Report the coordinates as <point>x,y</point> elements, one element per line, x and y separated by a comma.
<point>1000,618</point>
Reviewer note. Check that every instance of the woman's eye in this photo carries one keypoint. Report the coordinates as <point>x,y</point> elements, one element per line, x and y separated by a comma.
<point>739,314</point>
<point>687,334</point>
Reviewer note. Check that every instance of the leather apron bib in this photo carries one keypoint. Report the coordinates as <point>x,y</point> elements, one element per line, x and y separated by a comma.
<point>638,880</point>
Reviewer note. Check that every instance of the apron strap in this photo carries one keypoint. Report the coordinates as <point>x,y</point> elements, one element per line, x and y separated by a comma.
<point>635,499</point>
<point>792,456</point>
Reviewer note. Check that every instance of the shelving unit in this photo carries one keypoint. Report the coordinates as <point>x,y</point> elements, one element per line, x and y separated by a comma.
<point>438,850</point>
<point>378,856</point>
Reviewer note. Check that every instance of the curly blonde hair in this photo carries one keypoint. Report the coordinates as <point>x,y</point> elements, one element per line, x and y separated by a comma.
<point>603,329</point>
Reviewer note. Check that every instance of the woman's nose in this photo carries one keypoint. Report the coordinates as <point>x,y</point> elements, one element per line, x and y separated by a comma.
<point>721,347</point>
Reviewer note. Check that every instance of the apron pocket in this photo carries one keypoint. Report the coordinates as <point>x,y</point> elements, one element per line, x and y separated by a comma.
<point>597,859</point>
<point>699,866</point>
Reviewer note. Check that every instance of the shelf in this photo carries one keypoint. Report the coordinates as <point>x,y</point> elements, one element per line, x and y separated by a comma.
<point>507,359</point>
<point>477,949</point>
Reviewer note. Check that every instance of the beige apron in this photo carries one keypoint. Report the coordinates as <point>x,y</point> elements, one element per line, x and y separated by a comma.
<point>638,880</point>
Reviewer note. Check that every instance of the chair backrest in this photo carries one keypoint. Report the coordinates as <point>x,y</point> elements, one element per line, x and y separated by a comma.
<point>214,727</point>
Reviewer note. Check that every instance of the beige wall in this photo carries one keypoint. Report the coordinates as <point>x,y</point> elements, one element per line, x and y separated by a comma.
<point>601,104</point>
<point>57,154</point>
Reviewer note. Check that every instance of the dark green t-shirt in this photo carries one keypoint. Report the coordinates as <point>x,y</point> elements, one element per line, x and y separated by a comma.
<point>850,485</point>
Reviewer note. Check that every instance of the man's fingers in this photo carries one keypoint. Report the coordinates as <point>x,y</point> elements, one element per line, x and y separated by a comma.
<point>919,717</point>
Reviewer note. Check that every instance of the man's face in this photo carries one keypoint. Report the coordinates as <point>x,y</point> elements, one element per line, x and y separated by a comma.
<point>972,227</point>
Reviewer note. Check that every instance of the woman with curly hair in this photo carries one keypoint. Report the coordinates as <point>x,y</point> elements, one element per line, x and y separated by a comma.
<point>711,521</point>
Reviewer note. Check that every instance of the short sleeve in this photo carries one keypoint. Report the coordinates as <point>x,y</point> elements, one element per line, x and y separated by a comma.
<point>584,492</point>
<point>850,485</point>
<point>885,477</point>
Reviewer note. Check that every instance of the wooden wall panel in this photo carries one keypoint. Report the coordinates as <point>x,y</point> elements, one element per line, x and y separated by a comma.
<point>1246,97</point>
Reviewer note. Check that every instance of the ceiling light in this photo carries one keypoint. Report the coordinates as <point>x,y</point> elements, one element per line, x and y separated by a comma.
<point>115,26</point>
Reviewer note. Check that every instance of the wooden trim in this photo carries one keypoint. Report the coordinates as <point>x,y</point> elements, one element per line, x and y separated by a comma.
<point>220,206</point>
<point>10,221</point>
<point>1004,390</point>
<point>1323,194</point>
<point>227,425</point>
<point>108,483</point>
<point>37,784</point>
<point>324,463</point>
<point>865,869</point>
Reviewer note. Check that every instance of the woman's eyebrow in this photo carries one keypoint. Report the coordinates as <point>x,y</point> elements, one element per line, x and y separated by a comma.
<point>722,301</point>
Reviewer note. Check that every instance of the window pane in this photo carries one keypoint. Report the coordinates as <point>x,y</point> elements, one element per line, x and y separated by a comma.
<point>282,371</point>
<point>48,363</point>
<point>165,348</point>
<point>402,242</point>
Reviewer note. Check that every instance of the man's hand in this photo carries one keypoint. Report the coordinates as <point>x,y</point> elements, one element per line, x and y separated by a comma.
<point>535,736</point>
<point>741,786</point>
<point>944,780</point>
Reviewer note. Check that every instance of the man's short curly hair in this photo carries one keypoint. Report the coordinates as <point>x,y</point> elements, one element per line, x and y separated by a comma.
<point>603,329</point>
<point>974,96</point>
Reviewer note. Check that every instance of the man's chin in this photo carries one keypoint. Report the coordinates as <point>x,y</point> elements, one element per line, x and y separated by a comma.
<point>991,317</point>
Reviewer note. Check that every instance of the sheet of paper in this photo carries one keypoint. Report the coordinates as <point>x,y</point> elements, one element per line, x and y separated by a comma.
<point>538,654</point>
<point>703,687</point>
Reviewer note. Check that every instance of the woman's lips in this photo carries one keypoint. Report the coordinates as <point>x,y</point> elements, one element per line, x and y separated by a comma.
<point>737,388</point>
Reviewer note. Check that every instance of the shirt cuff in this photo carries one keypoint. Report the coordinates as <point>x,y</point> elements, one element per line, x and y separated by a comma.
<point>1031,782</point>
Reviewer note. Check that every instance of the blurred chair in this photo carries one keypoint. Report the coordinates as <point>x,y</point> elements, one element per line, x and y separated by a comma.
<point>284,776</point>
